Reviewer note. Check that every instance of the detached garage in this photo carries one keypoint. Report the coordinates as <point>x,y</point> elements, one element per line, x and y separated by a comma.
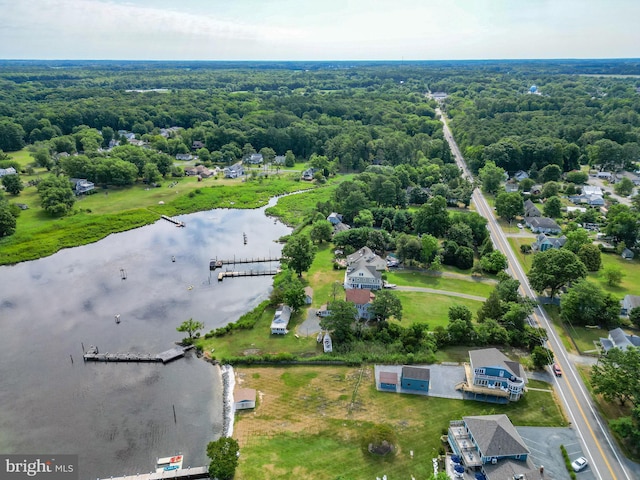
<point>389,381</point>
<point>416,378</point>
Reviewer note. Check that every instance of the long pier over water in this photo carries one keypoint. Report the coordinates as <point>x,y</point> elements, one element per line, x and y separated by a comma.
<point>92,355</point>
<point>213,264</point>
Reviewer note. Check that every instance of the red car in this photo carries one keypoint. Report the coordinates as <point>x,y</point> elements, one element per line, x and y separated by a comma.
<point>556,370</point>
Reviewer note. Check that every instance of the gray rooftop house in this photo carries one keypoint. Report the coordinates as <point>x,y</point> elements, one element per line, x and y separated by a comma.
<point>81,186</point>
<point>234,171</point>
<point>629,302</point>
<point>254,159</point>
<point>542,225</point>
<point>544,243</point>
<point>619,339</point>
<point>530,209</point>
<point>491,444</point>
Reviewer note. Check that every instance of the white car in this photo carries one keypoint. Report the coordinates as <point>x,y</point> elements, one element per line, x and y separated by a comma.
<point>520,225</point>
<point>579,464</point>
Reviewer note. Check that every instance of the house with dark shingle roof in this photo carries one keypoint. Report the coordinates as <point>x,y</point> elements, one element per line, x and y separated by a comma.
<point>542,225</point>
<point>629,302</point>
<point>530,209</point>
<point>491,444</point>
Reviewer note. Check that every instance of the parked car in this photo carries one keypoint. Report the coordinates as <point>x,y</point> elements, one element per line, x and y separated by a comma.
<point>520,226</point>
<point>556,370</point>
<point>579,464</point>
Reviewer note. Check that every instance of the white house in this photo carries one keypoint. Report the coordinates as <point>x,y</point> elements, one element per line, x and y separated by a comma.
<point>7,171</point>
<point>591,190</point>
<point>364,270</point>
<point>234,171</point>
<point>629,302</point>
<point>254,159</point>
<point>280,320</point>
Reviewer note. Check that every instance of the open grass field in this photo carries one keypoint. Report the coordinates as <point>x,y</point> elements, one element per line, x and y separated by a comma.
<point>631,275</point>
<point>525,260</point>
<point>321,276</point>
<point>470,286</point>
<point>309,423</point>
<point>419,307</point>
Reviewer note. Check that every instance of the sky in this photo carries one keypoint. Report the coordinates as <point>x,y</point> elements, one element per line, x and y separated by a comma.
<point>318,29</point>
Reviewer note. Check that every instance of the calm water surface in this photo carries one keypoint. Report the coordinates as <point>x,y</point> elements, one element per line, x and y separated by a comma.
<point>119,417</point>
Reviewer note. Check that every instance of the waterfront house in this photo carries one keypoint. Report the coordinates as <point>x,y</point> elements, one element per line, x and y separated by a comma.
<point>491,445</point>
<point>280,320</point>
<point>81,186</point>
<point>364,270</point>
<point>362,299</point>
<point>234,171</point>
<point>244,398</point>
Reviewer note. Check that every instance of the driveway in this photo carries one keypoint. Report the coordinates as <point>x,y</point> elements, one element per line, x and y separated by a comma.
<point>311,324</point>
<point>544,444</point>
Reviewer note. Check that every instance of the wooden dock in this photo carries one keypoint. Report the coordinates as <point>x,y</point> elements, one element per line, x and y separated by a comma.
<point>175,221</point>
<point>183,473</point>
<point>213,264</point>
<point>247,273</point>
<point>92,355</point>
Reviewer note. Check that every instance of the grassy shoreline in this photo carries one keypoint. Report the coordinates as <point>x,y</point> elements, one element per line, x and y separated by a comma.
<point>39,235</point>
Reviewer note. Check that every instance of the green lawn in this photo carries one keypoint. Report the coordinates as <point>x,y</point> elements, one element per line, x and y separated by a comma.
<point>525,260</point>
<point>630,269</point>
<point>422,279</point>
<point>321,276</point>
<point>419,307</point>
<point>293,209</point>
<point>314,430</point>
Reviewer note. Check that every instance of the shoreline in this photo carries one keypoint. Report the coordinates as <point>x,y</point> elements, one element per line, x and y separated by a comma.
<point>228,385</point>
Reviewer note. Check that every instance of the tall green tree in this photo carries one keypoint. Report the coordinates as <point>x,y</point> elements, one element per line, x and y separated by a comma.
<point>587,304</point>
<point>432,217</point>
<point>321,231</point>
<point>299,253</point>
<point>616,376</point>
<point>7,219</point>
<point>340,321</point>
<point>13,184</point>
<point>590,256</point>
<point>491,176</point>
<point>223,454</point>
<point>386,305</point>
<point>190,327</point>
<point>56,195</point>
<point>555,268</point>
<point>576,239</point>
<point>509,205</point>
<point>553,207</point>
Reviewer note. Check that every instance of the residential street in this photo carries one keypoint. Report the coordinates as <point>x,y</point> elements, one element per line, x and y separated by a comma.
<point>605,459</point>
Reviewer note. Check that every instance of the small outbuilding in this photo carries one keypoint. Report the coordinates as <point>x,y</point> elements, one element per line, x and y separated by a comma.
<point>389,381</point>
<point>244,398</point>
<point>308,295</point>
<point>415,378</point>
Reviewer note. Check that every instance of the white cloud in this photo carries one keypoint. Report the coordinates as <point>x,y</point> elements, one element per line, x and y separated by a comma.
<point>318,29</point>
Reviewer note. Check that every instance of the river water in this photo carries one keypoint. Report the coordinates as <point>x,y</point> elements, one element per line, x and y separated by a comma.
<point>118,417</point>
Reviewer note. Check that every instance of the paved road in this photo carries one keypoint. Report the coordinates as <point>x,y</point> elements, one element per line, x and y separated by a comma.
<point>439,292</point>
<point>605,460</point>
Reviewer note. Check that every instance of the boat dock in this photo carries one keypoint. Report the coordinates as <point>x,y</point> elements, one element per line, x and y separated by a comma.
<point>178,223</point>
<point>183,473</point>
<point>247,273</point>
<point>213,264</point>
<point>93,355</point>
